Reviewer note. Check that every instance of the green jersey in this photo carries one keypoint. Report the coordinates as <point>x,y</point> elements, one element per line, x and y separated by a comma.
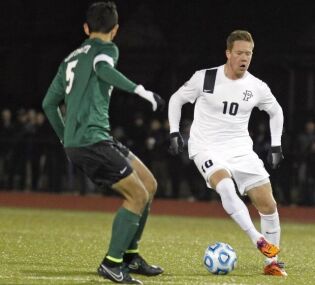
<point>84,82</point>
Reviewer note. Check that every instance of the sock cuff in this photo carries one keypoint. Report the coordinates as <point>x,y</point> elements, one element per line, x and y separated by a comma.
<point>269,217</point>
<point>112,261</point>
<point>132,251</point>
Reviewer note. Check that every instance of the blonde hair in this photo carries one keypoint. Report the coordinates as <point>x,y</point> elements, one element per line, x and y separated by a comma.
<point>238,35</point>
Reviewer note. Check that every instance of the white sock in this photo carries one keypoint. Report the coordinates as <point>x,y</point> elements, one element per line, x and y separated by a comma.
<point>270,228</point>
<point>236,208</point>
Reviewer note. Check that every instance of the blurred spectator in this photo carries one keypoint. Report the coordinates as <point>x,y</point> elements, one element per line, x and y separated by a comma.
<point>31,158</point>
<point>308,198</point>
<point>137,132</point>
<point>156,156</point>
<point>6,149</point>
<point>261,140</point>
<point>305,159</point>
<point>183,172</point>
<point>283,178</point>
<point>39,152</point>
<point>30,147</point>
<point>280,178</point>
<point>19,155</point>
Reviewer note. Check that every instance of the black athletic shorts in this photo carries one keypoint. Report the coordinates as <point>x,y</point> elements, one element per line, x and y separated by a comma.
<point>105,162</point>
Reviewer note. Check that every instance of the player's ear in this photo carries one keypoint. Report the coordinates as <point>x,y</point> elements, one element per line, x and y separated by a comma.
<point>228,54</point>
<point>86,29</point>
<point>114,31</point>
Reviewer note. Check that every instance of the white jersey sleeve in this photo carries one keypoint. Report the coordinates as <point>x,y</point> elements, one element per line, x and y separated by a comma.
<point>188,93</point>
<point>276,124</point>
<point>267,100</point>
<point>269,104</point>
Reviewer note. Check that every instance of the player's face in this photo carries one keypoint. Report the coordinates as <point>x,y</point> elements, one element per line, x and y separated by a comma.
<point>239,58</point>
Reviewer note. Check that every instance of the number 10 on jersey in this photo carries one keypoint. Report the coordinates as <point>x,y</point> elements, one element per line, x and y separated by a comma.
<point>231,108</point>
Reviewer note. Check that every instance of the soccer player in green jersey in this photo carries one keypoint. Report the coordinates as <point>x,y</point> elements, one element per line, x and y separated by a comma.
<point>84,82</point>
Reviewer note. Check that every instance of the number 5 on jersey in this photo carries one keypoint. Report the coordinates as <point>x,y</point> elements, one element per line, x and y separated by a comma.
<point>70,74</point>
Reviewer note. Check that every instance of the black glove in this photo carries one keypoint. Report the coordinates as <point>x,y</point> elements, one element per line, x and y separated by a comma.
<point>160,102</point>
<point>176,143</point>
<point>155,99</point>
<point>275,157</point>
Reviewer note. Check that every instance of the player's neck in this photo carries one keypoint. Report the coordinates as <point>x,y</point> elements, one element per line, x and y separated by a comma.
<point>103,37</point>
<point>230,74</point>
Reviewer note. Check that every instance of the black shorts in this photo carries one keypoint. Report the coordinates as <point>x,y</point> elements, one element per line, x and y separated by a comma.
<point>105,162</point>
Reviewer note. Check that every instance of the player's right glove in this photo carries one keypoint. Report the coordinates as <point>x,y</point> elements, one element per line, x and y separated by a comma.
<point>176,143</point>
<point>275,157</point>
<point>155,99</point>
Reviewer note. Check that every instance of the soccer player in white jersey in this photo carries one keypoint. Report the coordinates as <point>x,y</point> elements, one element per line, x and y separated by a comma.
<point>220,144</point>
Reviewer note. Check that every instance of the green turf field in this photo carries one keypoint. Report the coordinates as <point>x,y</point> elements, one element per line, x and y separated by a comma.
<point>43,247</point>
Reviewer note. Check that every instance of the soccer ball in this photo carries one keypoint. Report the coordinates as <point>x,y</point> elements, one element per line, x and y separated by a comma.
<point>220,258</point>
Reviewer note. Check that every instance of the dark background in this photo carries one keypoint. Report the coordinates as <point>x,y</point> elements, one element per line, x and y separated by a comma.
<point>161,44</point>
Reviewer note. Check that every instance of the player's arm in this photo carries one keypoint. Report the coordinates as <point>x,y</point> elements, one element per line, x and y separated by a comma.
<point>274,110</point>
<point>276,124</point>
<point>51,102</point>
<point>276,129</point>
<point>187,93</point>
<point>105,70</point>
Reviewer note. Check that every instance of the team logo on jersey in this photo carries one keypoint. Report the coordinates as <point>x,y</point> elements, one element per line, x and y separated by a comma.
<point>247,95</point>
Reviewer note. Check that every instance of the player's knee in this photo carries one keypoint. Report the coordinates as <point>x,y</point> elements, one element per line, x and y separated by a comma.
<point>152,187</point>
<point>217,177</point>
<point>142,198</point>
<point>145,199</point>
<point>267,208</point>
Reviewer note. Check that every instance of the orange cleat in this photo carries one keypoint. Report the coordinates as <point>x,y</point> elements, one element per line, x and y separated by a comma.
<point>275,268</point>
<point>266,248</point>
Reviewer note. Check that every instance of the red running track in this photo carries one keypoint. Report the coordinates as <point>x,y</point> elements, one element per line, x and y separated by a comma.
<point>159,206</point>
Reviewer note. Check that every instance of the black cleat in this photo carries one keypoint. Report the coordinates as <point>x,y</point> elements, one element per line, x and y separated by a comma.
<point>117,275</point>
<point>139,266</point>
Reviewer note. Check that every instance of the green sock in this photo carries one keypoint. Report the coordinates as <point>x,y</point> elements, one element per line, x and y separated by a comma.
<point>133,247</point>
<point>125,225</point>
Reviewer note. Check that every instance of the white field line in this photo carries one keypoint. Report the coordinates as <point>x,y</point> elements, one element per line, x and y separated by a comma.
<point>78,279</point>
<point>47,278</point>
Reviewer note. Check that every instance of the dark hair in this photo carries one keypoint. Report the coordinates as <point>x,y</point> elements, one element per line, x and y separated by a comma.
<point>102,16</point>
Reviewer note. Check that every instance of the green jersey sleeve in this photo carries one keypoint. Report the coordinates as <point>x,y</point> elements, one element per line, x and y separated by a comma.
<point>104,65</point>
<point>53,98</point>
<point>113,77</point>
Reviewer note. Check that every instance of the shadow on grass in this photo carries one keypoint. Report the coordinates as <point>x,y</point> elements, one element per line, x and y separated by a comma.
<point>60,273</point>
<point>234,274</point>
<point>57,277</point>
<point>22,263</point>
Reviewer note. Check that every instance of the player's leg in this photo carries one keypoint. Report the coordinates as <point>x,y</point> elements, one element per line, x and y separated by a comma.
<point>105,164</point>
<point>124,227</point>
<point>144,174</point>
<point>219,178</point>
<point>126,222</point>
<point>222,182</point>
<point>135,262</point>
<point>262,198</point>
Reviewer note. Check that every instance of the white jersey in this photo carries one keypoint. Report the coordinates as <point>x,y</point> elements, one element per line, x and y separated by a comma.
<point>221,118</point>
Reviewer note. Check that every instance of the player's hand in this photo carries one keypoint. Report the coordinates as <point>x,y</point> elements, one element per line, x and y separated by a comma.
<point>275,157</point>
<point>155,99</point>
<point>176,143</point>
<point>160,102</point>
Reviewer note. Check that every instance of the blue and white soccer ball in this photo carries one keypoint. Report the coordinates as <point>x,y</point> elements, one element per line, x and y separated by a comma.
<point>220,258</point>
